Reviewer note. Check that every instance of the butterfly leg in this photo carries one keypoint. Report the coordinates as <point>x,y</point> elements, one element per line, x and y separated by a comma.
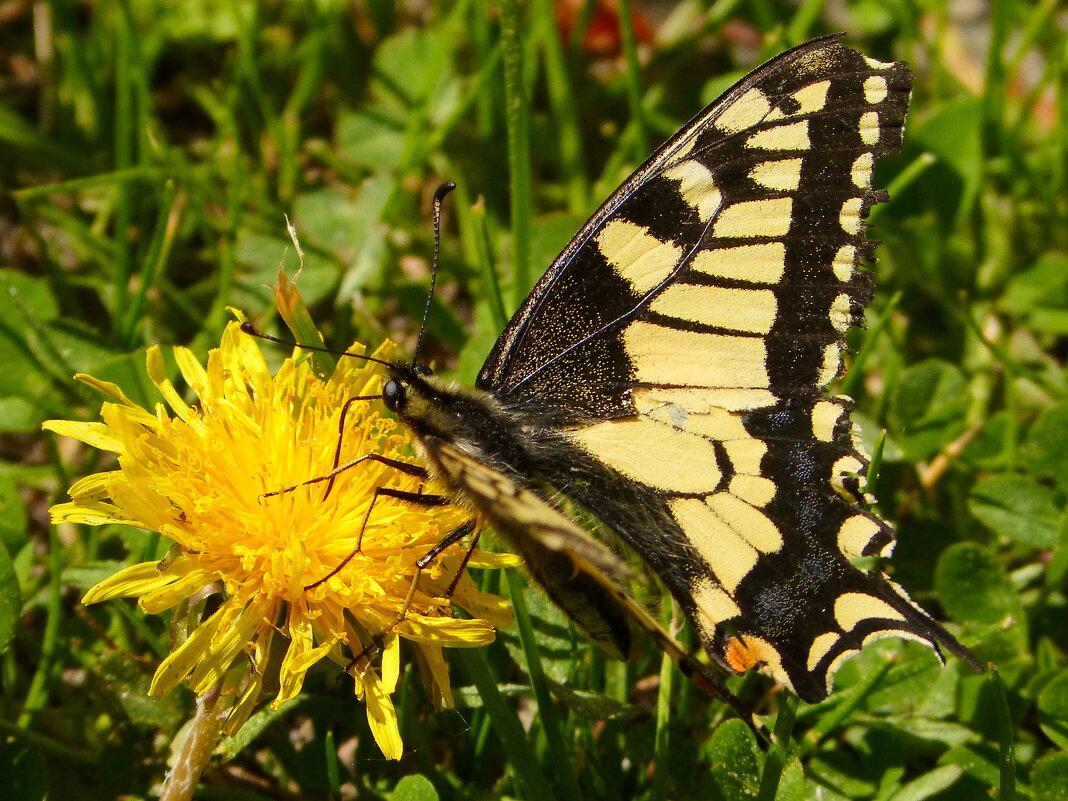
<point>423,562</point>
<point>332,475</point>
<point>338,468</point>
<point>412,497</point>
<point>396,464</point>
<point>450,539</point>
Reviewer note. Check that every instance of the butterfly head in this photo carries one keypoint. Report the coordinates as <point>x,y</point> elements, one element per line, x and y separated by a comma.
<point>406,383</point>
<point>418,397</point>
<point>432,406</point>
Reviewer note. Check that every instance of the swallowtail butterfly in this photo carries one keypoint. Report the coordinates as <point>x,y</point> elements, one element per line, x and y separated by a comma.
<point>667,375</point>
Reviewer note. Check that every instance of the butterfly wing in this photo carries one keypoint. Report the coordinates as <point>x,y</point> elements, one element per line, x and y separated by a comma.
<point>682,343</point>
<point>578,573</point>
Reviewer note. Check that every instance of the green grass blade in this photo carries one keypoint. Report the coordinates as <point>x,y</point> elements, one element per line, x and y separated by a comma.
<point>565,114</point>
<point>533,784</point>
<point>547,709</point>
<point>1006,739</point>
<point>664,708</point>
<point>126,62</point>
<point>851,382</point>
<point>518,127</point>
<point>39,690</point>
<point>775,761</point>
<point>491,284</point>
<point>158,250</point>
<point>632,80</point>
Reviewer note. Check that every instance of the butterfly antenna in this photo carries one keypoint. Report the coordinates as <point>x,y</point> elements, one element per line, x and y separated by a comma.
<point>252,331</point>
<point>439,198</point>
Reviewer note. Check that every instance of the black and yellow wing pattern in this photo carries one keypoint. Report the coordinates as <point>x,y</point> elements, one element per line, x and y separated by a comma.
<point>668,375</point>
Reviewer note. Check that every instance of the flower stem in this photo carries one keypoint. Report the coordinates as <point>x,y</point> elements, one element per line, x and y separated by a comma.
<point>202,737</point>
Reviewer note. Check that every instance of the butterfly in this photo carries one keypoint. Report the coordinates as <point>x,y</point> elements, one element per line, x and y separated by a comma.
<point>667,377</point>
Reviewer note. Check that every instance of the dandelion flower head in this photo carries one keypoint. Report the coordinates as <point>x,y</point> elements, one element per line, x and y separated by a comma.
<point>226,479</point>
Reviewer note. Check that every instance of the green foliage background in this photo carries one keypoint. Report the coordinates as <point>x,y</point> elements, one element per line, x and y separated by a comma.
<point>148,153</point>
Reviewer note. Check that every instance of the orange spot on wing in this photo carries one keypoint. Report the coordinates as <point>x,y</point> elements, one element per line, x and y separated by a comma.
<point>744,653</point>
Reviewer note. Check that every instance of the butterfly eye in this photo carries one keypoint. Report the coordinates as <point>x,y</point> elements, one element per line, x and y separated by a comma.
<point>393,395</point>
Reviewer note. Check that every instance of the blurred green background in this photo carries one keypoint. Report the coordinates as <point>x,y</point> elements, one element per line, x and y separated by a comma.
<point>148,154</point>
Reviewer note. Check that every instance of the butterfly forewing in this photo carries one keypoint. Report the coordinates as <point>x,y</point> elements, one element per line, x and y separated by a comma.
<point>682,343</point>
<point>746,228</point>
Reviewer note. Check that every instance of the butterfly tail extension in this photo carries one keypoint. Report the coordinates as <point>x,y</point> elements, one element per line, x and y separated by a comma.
<point>932,631</point>
<point>884,610</point>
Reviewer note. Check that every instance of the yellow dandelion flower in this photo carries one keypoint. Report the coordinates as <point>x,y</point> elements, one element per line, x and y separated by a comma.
<point>285,563</point>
